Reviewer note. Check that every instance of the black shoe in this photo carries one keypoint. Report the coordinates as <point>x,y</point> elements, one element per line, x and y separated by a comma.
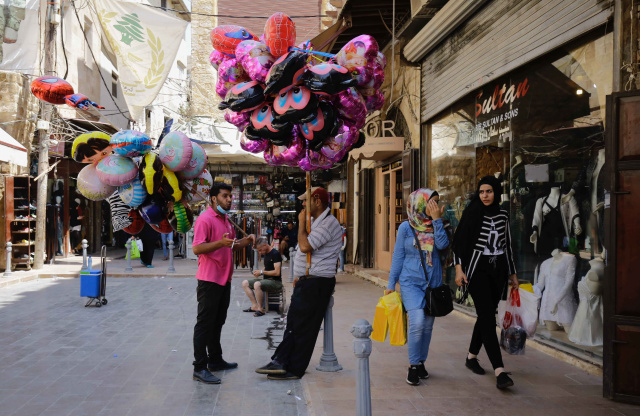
<point>422,372</point>
<point>286,376</point>
<point>222,365</point>
<point>473,365</point>
<point>412,377</point>
<point>504,381</point>
<point>271,368</point>
<point>204,376</point>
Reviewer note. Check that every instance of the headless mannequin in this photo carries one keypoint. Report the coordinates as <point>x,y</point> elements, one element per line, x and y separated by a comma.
<point>587,327</point>
<point>557,255</point>
<point>553,200</point>
<point>596,205</point>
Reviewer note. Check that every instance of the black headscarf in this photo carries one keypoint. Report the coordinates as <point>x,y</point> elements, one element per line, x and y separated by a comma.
<point>470,224</point>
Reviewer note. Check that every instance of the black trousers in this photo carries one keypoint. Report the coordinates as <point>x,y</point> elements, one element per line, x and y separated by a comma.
<point>213,302</point>
<point>149,247</point>
<point>309,303</point>
<point>486,288</point>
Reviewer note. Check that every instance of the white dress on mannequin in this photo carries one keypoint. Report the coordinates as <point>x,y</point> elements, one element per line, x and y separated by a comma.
<point>587,328</point>
<point>556,280</point>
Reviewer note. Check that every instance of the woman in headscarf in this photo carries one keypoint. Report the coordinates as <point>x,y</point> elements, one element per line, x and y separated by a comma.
<point>484,265</point>
<point>426,226</point>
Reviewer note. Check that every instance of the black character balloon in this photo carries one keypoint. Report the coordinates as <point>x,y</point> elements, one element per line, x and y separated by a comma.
<point>328,78</point>
<point>245,96</point>
<point>286,71</point>
<point>296,105</point>
<point>324,125</point>
<point>262,125</point>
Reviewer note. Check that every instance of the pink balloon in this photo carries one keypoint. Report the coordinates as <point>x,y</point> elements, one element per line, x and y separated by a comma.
<point>377,78</point>
<point>240,120</point>
<point>336,147</point>
<point>351,106</point>
<point>359,52</point>
<point>230,73</point>
<point>295,151</point>
<point>216,58</point>
<point>253,146</point>
<point>313,160</point>
<point>255,59</point>
<point>273,155</point>
<point>374,102</point>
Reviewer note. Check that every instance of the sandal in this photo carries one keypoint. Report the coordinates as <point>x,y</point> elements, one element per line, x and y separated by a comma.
<point>248,310</point>
<point>258,313</point>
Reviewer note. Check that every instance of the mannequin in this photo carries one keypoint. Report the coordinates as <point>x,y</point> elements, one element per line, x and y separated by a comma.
<point>558,306</point>
<point>515,168</point>
<point>547,224</point>
<point>596,204</point>
<point>587,328</point>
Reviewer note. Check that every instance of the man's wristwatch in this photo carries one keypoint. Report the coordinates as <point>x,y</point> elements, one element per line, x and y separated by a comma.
<point>261,272</point>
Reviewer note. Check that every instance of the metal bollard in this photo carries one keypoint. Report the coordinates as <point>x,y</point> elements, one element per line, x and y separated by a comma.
<point>128,246</point>
<point>7,271</point>
<point>329,360</point>
<point>85,245</point>
<point>292,252</point>
<point>171,269</point>
<point>361,330</point>
<point>256,259</point>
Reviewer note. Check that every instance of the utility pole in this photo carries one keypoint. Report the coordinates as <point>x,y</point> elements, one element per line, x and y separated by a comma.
<point>53,19</point>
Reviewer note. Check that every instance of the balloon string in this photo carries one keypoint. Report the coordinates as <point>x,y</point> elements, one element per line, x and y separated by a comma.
<point>328,55</point>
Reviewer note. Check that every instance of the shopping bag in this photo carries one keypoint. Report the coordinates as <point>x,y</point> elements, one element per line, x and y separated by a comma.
<point>135,253</point>
<point>513,335</point>
<point>396,318</point>
<point>140,245</point>
<point>380,324</point>
<point>529,305</point>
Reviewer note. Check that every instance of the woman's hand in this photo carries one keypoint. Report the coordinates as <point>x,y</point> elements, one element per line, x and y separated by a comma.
<point>387,291</point>
<point>513,279</point>
<point>461,277</point>
<point>433,210</point>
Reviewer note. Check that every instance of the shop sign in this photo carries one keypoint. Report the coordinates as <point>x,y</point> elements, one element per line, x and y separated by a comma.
<point>380,128</point>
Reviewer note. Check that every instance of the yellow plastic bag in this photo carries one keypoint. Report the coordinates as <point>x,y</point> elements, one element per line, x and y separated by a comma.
<point>526,286</point>
<point>396,319</point>
<point>380,323</point>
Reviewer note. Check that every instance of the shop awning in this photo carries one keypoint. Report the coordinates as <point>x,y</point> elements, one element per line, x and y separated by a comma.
<point>379,148</point>
<point>325,40</point>
<point>11,151</point>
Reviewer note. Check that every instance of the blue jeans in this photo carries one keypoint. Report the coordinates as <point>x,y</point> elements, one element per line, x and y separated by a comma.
<point>420,328</point>
<point>165,238</point>
<point>342,260</point>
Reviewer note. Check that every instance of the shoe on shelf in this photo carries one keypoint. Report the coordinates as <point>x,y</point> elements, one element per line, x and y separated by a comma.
<point>422,372</point>
<point>473,365</point>
<point>31,206</point>
<point>503,380</point>
<point>286,376</point>
<point>24,256</point>
<point>412,376</point>
<point>271,368</point>
<point>222,365</point>
<point>204,376</point>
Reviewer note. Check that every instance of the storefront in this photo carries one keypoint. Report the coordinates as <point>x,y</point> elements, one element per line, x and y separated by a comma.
<point>540,130</point>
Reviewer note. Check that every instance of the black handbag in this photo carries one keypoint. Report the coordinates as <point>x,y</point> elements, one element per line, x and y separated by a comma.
<point>438,301</point>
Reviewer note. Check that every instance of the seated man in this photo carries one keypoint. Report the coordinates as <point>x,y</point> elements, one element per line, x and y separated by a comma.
<point>271,282</point>
<point>290,239</point>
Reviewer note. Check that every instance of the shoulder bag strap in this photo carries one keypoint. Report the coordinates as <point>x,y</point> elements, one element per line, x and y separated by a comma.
<point>415,237</point>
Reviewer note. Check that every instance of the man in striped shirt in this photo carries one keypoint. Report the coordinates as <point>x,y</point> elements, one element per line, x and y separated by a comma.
<point>312,292</point>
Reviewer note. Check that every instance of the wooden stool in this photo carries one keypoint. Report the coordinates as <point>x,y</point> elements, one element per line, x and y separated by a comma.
<point>277,299</point>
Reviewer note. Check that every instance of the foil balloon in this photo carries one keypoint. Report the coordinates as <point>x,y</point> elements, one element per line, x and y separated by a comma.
<point>230,73</point>
<point>295,152</point>
<point>336,147</point>
<point>151,212</point>
<point>240,120</point>
<point>374,102</point>
<point>279,34</point>
<point>51,89</point>
<point>225,38</point>
<point>164,227</point>
<point>181,219</point>
<point>80,101</point>
<point>91,147</point>
<point>116,170</point>
<point>175,151</point>
<point>197,189</point>
<point>273,155</point>
<point>328,78</point>
<point>133,194</point>
<point>91,187</point>
<point>197,163</point>
<point>286,71</point>
<point>371,87</point>
<point>296,105</point>
<point>262,125</point>
<point>255,59</point>
<point>216,58</point>
<point>170,186</point>
<point>137,223</point>
<point>245,96</point>
<point>324,125</point>
<point>119,212</point>
<point>358,53</point>
<point>150,172</point>
<point>312,161</point>
<point>131,143</point>
<point>351,106</point>
<point>254,146</point>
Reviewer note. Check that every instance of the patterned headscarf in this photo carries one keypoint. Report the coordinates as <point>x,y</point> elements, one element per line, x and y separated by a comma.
<point>420,221</point>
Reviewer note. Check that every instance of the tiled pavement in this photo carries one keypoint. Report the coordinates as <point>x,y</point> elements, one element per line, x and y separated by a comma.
<point>133,357</point>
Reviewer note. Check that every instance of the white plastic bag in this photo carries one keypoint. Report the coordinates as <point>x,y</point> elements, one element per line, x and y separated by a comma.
<point>139,244</point>
<point>513,335</point>
<point>527,311</point>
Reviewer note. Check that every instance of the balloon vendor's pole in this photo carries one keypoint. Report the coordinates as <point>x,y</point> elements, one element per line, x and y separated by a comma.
<point>308,212</point>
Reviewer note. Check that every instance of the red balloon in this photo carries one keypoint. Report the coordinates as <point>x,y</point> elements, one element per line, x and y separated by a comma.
<point>51,89</point>
<point>164,227</point>
<point>137,223</point>
<point>279,34</point>
<point>225,38</point>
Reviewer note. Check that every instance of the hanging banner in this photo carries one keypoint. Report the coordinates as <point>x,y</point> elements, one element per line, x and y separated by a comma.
<point>20,42</point>
<point>145,42</point>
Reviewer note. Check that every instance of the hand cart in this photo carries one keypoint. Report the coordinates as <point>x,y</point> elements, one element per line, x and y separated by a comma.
<point>93,285</point>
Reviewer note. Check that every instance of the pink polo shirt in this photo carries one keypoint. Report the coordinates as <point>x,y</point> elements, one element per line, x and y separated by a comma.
<point>216,266</point>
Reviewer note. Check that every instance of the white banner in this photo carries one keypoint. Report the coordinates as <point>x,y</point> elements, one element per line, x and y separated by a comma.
<point>145,42</point>
<point>20,35</point>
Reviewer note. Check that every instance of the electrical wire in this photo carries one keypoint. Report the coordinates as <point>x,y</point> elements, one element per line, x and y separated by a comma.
<point>64,50</point>
<point>230,15</point>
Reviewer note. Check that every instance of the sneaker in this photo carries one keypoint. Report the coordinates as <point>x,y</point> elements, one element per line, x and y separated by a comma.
<point>412,377</point>
<point>204,376</point>
<point>422,372</point>
<point>503,380</point>
<point>271,368</point>
<point>222,365</point>
<point>286,376</point>
<point>473,365</point>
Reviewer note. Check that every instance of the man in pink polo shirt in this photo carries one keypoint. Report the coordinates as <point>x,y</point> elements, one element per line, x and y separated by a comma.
<point>214,241</point>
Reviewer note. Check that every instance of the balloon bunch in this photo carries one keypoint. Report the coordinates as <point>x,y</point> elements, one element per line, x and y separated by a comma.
<point>296,108</point>
<point>141,184</point>
<point>55,90</point>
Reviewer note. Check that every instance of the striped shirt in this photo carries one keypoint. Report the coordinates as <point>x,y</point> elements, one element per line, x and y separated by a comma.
<point>326,240</point>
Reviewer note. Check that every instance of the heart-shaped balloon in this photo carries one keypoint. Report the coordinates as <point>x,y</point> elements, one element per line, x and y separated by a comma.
<point>296,105</point>
<point>336,147</point>
<point>240,120</point>
<point>351,106</point>
<point>254,146</point>
<point>255,59</point>
<point>262,125</point>
<point>324,125</point>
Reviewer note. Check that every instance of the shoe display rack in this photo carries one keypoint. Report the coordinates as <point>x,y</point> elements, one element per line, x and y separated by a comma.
<point>20,220</point>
